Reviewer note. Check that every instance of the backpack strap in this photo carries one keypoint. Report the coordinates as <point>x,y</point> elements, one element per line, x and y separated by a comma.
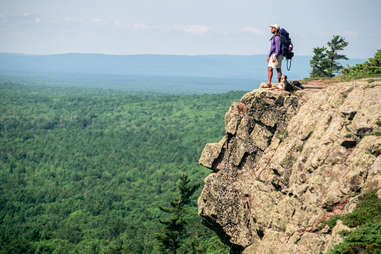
<point>288,64</point>
<point>272,37</point>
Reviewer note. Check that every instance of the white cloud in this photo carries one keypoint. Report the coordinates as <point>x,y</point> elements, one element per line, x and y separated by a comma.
<point>137,26</point>
<point>193,29</point>
<point>96,20</point>
<point>344,33</point>
<point>253,30</point>
<point>140,26</point>
<point>348,33</point>
<point>70,19</point>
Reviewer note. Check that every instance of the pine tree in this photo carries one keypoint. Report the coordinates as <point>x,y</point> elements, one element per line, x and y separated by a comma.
<point>324,62</point>
<point>372,67</point>
<point>174,226</point>
<point>337,43</point>
<point>319,63</point>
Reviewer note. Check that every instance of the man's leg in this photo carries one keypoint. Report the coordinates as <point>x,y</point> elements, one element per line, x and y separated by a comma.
<point>279,71</point>
<point>269,75</point>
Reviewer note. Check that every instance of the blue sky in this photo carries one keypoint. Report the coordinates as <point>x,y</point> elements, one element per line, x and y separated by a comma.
<point>190,27</point>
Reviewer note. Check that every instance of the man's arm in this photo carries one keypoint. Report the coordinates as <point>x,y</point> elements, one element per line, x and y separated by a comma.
<point>277,45</point>
<point>272,47</point>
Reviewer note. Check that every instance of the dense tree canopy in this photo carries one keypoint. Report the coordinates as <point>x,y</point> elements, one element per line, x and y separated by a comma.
<point>86,170</point>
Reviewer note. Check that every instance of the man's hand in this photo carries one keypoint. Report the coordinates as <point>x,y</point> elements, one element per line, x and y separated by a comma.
<point>274,59</point>
<point>268,59</point>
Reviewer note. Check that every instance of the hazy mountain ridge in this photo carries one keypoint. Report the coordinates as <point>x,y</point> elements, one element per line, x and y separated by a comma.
<point>162,65</point>
<point>157,65</point>
<point>160,73</point>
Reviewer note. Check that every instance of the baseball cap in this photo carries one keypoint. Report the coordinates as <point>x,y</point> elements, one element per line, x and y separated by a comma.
<point>275,25</point>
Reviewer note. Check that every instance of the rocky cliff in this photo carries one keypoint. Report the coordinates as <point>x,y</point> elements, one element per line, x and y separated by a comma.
<point>290,161</point>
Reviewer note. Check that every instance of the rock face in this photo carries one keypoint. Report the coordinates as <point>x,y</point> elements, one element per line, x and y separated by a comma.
<point>289,162</point>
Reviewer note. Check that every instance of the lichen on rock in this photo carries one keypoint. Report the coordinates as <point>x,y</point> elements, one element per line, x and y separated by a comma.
<point>289,161</point>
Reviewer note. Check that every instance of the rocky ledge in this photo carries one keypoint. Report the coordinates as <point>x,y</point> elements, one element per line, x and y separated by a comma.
<point>288,162</point>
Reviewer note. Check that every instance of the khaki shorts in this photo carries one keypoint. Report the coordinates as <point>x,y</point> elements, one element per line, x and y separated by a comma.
<point>278,62</point>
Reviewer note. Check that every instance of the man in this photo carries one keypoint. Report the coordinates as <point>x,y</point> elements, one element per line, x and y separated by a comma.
<point>275,56</point>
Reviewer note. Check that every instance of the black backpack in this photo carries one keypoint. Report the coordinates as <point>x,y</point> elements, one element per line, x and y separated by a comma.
<point>286,46</point>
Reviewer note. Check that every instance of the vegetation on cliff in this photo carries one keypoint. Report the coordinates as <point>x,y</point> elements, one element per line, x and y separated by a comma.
<point>371,68</point>
<point>325,61</point>
<point>366,238</point>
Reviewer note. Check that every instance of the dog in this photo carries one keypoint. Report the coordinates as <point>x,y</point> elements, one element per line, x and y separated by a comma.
<point>282,85</point>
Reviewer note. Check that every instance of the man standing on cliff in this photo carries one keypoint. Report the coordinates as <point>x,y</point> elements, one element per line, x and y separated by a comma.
<point>275,56</point>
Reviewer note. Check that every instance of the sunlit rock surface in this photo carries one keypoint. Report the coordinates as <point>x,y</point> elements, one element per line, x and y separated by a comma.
<point>288,162</point>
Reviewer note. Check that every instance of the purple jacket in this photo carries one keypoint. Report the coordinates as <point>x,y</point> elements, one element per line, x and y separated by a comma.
<point>275,46</point>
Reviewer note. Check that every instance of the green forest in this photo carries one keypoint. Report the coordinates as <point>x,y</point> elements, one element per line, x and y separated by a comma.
<point>89,170</point>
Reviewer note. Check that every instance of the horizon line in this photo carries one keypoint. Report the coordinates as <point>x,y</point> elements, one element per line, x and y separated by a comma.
<point>137,54</point>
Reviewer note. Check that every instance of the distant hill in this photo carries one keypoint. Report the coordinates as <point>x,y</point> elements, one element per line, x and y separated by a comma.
<point>134,70</point>
<point>155,65</point>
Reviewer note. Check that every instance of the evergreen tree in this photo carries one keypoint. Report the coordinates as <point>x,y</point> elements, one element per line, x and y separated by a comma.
<point>324,62</point>
<point>319,63</point>
<point>174,226</point>
<point>370,68</point>
<point>337,44</point>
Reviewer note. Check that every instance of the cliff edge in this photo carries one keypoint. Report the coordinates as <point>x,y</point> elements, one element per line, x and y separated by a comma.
<point>290,161</point>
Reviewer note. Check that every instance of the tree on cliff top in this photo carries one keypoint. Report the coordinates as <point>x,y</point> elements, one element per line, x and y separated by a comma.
<point>370,68</point>
<point>174,226</point>
<point>325,63</point>
<point>319,63</point>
